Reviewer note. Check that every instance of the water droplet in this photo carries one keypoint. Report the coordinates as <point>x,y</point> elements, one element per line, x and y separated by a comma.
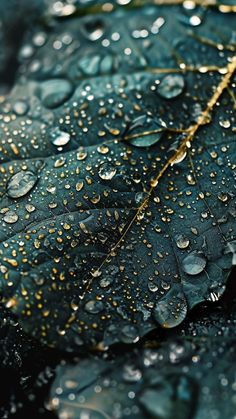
<point>194,263</point>
<point>94,307</point>
<point>39,39</point>
<point>171,309</point>
<point>20,107</point>
<point>90,65</point>
<point>171,86</point>
<point>138,134</point>
<point>30,208</point>
<point>59,138</point>
<point>106,282</point>
<point>131,374</point>
<point>129,334</point>
<point>21,183</point>
<point>195,20</point>
<point>93,29</point>
<point>10,217</point>
<point>182,241</point>
<point>106,171</point>
<point>81,155</point>
<point>79,186</point>
<point>224,123</point>
<point>55,92</point>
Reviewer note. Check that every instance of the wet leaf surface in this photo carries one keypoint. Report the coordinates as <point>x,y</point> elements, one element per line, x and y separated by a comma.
<point>186,374</point>
<point>117,215</point>
<point>117,175</point>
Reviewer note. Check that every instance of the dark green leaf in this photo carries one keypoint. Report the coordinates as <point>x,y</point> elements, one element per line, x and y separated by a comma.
<point>103,240</point>
<point>184,378</point>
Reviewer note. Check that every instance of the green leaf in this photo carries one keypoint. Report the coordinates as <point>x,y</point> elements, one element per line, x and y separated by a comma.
<point>118,158</point>
<point>181,377</point>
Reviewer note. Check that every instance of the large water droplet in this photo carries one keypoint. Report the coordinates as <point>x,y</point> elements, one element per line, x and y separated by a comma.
<point>10,217</point>
<point>21,183</point>
<point>171,309</point>
<point>20,107</point>
<point>106,171</point>
<point>59,138</point>
<point>55,92</point>
<point>194,263</point>
<point>138,134</point>
<point>171,86</point>
<point>129,334</point>
<point>94,307</point>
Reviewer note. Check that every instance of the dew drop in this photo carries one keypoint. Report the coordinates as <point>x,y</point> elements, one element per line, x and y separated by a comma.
<point>59,138</point>
<point>194,263</point>
<point>94,307</point>
<point>93,29</point>
<point>20,107</point>
<point>10,217</point>
<point>171,86</point>
<point>106,171</point>
<point>129,334</point>
<point>182,241</point>
<point>55,92</point>
<point>172,308</point>
<point>79,186</point>
<point>144,123</point>
<point>21,183</point>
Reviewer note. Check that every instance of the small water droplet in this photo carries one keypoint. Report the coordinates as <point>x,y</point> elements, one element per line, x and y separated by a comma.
<point>79,186</point>
<point>93,29</point>
<point>131,374</point>
<point>182,241</point>
<point>224,123</point>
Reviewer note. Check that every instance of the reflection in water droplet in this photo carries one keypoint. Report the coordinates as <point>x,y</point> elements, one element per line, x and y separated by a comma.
<point>195,20</point>
<point>129,334</point>
<point>93,29</point>
<point>224,123</point>
<point>94,307</point>
<point>137,131</point>
<point>131,374</point>
<point>59,138</point>
<point>55,92</point>
<point>10,217</point>
<point>171,309</point>
<point>20,107</point>
<point>21,183</point>
<point>106,171</point>
<point>171,86</point>
<point>182,241</point>
<point>194,263</point>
